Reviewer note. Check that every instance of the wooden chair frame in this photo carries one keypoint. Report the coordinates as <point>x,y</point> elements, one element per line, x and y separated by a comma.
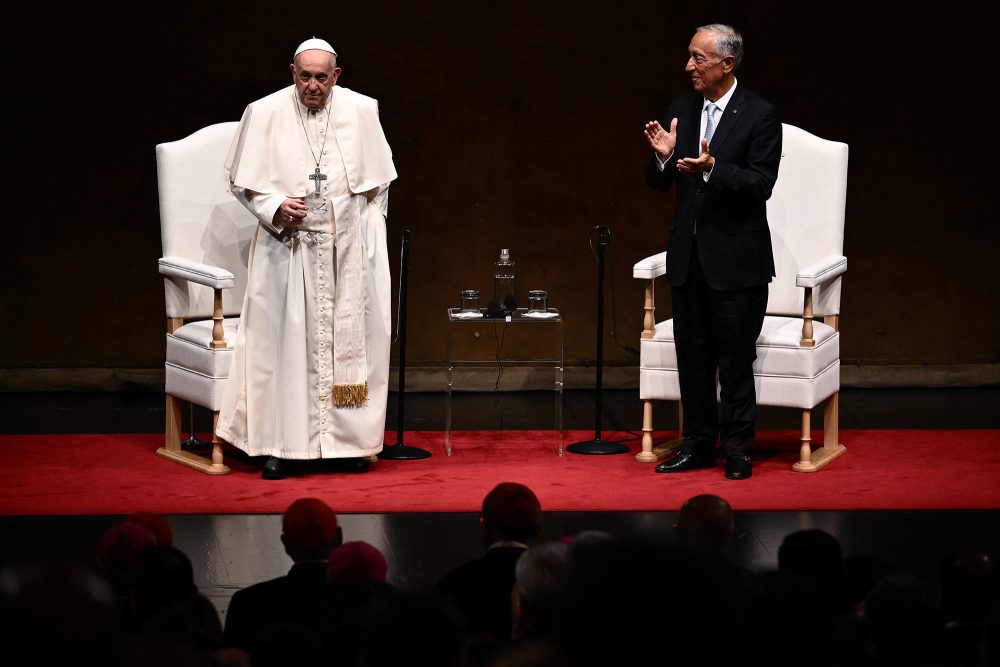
<point>810,460</point>
<point>171,448</point>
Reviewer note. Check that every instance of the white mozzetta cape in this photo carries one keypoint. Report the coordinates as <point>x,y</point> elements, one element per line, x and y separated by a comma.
<point>267,153</point>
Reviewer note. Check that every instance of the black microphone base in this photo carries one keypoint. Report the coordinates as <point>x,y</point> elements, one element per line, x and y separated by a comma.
<point>597,446</point>
<point>195,444</point>
<point>402,453</point>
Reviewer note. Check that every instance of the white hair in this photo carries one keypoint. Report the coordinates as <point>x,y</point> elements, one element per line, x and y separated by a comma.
<point>728,43</point>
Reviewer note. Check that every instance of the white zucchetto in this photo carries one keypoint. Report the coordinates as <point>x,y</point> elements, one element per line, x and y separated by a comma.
<point>315,43</point>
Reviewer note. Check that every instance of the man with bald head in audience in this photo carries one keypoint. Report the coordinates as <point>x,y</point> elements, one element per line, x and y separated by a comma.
<point>706,522</point>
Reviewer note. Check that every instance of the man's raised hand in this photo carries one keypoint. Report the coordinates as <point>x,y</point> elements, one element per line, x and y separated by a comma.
<point>660,140</point>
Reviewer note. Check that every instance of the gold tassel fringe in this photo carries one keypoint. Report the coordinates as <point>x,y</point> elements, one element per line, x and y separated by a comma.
<point>350,395</point>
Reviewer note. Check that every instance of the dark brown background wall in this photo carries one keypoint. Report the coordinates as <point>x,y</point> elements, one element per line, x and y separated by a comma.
<point>514,124</point>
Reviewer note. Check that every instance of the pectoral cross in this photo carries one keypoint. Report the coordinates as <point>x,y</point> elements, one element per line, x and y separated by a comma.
<point>317,177</point>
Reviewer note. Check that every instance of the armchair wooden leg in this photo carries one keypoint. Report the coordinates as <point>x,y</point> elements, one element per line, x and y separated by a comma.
<point>805,438</point>
<point>811,461</point>
<point>172,432</point>
<point>216,443</point>
<point>651,453</point>
<point>172,451</point>
<point>646,455</point>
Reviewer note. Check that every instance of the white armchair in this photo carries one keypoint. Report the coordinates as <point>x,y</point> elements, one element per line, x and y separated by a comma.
<point>798,356</point>
<point>206,236</point>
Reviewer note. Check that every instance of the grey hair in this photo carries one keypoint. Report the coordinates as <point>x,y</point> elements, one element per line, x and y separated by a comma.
<point>541,574</point>
<point>729,41</point>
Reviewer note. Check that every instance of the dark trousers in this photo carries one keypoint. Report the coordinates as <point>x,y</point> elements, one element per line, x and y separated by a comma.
<point>717,330</point>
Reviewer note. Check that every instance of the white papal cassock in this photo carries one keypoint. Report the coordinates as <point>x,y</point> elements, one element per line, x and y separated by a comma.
<point>317,308</point>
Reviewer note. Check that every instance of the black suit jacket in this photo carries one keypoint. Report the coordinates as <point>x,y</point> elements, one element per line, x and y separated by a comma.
<point>296,597</point>
<point>733,241</point>
<point>481,589</point>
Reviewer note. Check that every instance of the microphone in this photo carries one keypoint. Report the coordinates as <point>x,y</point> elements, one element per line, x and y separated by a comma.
<point>495,310</point>
<point>509,304</point>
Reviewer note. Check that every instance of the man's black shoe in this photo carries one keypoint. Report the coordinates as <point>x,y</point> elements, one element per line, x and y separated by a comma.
<point>276,468</point>
<point>683,462</point>
<point>738,467</point>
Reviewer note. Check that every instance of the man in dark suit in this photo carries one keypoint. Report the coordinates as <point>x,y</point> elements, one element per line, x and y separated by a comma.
<point>309,533</point>
<point>510,520</point>
<point>722,151</point>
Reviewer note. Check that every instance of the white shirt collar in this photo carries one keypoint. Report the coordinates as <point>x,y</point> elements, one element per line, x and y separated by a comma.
<point>507,544</point>
<point>723,101</point>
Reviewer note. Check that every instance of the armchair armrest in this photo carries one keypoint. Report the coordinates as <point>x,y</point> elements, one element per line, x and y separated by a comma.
<point>822,271</point>
<point>812,276</point>
<point>203,274</point>
<point>197,272</point>
<point>647,269</point>
<point>653,266</point>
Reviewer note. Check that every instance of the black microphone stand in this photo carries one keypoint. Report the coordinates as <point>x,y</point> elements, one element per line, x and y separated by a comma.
<point>399,451</point>
<point>194,443</point>
<point>598,446</point>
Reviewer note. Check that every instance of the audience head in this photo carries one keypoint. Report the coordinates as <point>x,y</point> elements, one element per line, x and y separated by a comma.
<point>161,575</point>
<point>184,630</point>
<point>511,512</point>
<point>590,552</point>
<point>706,522</point>
<point>427,629</point>
<point>540,590</point>
<point>609,588</point>
<point>284,642</point>
<point>175,624</point>
<point>861,573</point>
<point>155,524</point>
<point>813,553</point>
<point>57,612</point>
<point>797,602</point>
<point>356,577</point>
<point>309,530</point>
<point>905,621</point>
<point>988,652</point>
<point>538,653</point>
<point>356,564</point>
<point>968,584</point>
<point>119,547</point>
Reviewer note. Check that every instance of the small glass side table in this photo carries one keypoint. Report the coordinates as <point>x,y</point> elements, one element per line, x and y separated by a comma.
<point>468,347</point>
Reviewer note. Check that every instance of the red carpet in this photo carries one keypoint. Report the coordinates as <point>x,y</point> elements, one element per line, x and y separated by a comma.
<point>116,474</point>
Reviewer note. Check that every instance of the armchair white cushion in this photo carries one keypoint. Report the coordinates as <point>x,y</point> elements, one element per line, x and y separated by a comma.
<point>798,357</point>
<point>206,236</point>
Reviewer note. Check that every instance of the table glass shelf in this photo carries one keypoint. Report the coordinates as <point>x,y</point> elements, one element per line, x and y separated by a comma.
<point>524,339</point>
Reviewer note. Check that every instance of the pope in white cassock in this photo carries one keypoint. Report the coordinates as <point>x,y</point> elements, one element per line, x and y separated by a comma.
<point>310,374</point>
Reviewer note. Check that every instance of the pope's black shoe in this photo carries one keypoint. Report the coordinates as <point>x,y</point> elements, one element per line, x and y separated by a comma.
<point>359,464</point>
<point>683,462</point>
<point>276,468</point>
<point>738,467</point>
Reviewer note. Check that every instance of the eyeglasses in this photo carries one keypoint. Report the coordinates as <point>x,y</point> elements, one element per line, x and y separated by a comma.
<point>306,77</point>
